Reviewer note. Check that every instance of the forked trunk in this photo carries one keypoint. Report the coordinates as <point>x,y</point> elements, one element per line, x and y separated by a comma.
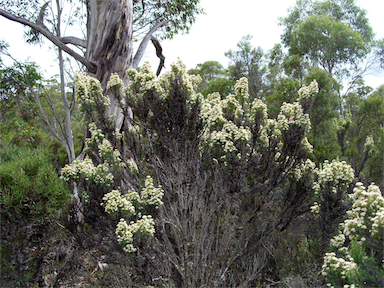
<point>110,43</point>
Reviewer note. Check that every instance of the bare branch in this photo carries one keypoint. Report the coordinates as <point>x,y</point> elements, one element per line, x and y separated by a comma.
<point>92,67</point>
<point>74,41</point>
<point>144,43</point>
<point>40,20</point>
<point>159,53</point>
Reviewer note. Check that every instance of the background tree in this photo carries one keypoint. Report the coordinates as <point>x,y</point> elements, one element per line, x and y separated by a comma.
<point>214,78</point>
<point>247,61</point>
<point>361,134</point>
<point>41,103</point>
<point>330,33</point>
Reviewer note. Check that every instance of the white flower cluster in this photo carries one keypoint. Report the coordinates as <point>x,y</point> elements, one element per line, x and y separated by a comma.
<point>105,149</point>
<point>211,111</point>
<point>307,146</point>
<point>338,240</point>
<point>219,116</point>
<point>150,195</point>
<point>292,114</point>
<point>378,223</point>
<point>365,219</point>
<point>115,82</point>
<point>334,263</point>
<point>85,170</point>
<point>125,233</point>
<point>190,82</point>
<point>117,134</point>
<point>369,145</point>
<point>308,91</point>
<point>367,212</point>
<point>125,236</point>
<point>259,105</point>
<point>144,226</point>
<point>241,88</point>
<point>88,92</point>
<point>114,202</point>
<point>269,131</point>
<point>96,135</point>
<point>142,81</point>
<point>315,208</point>
<point>227,136</point>
<point>335,172</point>
<point>132,166</point>
<point>231,108</point>
<point>305,167</point>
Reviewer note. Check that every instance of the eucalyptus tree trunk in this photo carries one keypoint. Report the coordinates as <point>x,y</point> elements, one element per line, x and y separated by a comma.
<point>109,43</point>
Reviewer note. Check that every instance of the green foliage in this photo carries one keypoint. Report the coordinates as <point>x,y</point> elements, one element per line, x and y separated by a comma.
<point>248,62</point>
<point>331,33</point>
<point>214,78</point>
<point>364,122</point>
<point>16,98</point>
<point>329,42</point>
<point>29,183</point>
<point>324,114</point>
<point>284,90</point>
<point>177,16</point>
<point>380,51</point>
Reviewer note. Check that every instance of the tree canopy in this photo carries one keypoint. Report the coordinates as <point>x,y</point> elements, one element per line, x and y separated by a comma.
<point>330,33</point>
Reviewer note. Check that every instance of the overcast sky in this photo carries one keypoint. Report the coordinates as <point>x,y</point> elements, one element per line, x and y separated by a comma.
<point>225,23</point>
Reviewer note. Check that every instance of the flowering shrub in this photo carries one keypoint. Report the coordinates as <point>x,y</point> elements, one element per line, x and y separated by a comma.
<point>335,176</point>
<point>126,232</point>
<point>357,255</point>
<point>85,170</point>
<point>104,164</point>
<point>228,122</point>
<point>292,114</point>
<point>335,172</point>
<point>93,103</point>
<point>132,203</point>
<point>150,195</point>
<point>114,202</point>
<point>215,156</point>
<point>306,92</point>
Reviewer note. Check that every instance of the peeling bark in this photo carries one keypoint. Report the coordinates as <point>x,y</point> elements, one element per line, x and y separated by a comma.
<point>110,38</point>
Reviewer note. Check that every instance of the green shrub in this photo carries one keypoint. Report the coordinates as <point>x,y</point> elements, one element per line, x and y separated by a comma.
<point>357,256</point>
<point>29,183</point>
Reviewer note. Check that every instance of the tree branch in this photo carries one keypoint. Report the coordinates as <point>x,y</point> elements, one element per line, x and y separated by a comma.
<point>144,43</point>
<point>74,41</point>
<point>40,20</point>
<point>51,37</point>
<point>159,53</point>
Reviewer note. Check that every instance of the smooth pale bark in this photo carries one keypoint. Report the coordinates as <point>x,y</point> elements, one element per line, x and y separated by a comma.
<point>144,43</point>
<point>68,127</point>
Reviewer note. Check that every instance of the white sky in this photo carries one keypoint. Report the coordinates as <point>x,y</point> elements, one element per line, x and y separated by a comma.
<point>224,24</point>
